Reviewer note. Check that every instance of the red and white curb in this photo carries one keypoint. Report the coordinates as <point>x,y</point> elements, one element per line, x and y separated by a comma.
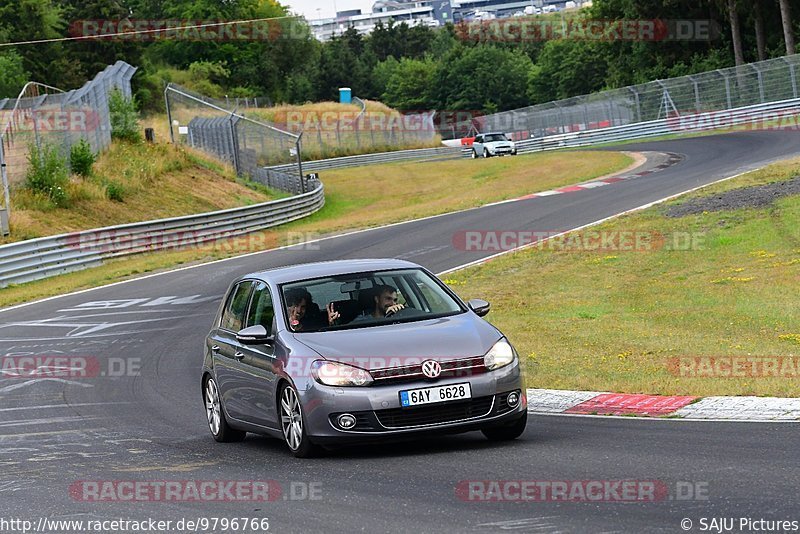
<point>670,160</point>
<point>556,401</point>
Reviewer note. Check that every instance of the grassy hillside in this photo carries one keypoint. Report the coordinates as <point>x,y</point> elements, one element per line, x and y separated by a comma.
<point>130,183</point>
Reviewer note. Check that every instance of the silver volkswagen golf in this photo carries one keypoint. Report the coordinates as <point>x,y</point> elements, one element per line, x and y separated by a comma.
<point>356,350</point>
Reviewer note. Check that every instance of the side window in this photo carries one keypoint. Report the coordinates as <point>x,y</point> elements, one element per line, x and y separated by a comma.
<point>479,139</point>
<point>261,310</point>
<point>233,315</point>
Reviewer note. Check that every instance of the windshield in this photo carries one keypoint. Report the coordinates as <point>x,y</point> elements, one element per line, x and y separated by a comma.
<point>365,299</point>
<point>495,137</point>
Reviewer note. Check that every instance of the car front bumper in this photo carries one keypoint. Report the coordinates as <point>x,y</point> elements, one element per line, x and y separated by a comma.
<point>379,414</point>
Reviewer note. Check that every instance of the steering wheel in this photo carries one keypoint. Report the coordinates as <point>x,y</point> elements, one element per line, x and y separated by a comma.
<point>401,313</point>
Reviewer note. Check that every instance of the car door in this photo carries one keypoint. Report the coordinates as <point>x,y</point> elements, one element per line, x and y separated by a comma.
<point>226,350</point>
<point>257,368</point>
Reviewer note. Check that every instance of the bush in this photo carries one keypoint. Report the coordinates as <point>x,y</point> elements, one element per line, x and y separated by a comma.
<point>124,117</point>
<point>81,158</point>
<point>47,174</point>
<point>115,191</point>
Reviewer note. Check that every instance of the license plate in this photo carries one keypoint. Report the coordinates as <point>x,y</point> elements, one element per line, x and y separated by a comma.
<point>415,397</point>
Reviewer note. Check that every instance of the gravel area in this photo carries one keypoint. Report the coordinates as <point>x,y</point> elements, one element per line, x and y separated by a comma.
<point>756,196</point>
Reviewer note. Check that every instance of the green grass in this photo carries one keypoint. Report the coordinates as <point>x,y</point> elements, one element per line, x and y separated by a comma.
<point>131,183</point>
<point>361,198</point>
<point>613,320</point>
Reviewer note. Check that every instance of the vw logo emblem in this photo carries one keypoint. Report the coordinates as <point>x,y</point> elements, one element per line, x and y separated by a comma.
<point>431,368</point>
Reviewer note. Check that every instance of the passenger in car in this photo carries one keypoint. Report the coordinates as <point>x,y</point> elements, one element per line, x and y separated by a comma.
<point>296,306</point>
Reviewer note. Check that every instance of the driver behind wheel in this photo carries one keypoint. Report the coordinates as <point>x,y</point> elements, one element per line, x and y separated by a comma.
<point>385,299</point>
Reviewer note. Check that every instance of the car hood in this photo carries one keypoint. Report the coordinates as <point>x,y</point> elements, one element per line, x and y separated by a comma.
<point>447,338</point>
<point>496,144</point>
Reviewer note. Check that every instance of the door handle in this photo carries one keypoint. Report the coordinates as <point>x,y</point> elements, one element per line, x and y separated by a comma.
<point>214,348</point>
<point>238,355</point>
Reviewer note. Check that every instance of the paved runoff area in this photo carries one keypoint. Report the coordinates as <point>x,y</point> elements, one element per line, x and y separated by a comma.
<point>556,401</point>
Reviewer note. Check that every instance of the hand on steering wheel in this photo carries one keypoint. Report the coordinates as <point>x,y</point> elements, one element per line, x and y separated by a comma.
<point>391,310</point>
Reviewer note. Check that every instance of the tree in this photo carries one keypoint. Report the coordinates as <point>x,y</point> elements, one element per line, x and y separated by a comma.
<point>96,54</point>
<point>758,24</point>
<point>568,68</point>
<point>736,33</point>
<point>409,85</point>
<point>788,32</point>
<point>12,74</point>
<point>485,78</point>
<point>27,20</point>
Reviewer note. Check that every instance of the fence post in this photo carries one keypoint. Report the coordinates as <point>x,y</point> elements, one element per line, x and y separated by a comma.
<point>36,136</point>
<point>169,114</point>
<point>6,195</point>
<point>792,76</point>
<point>638,105</point>
<point>300,163</point>
<point>234,144</point>
<point>696,93</point>
<point>727,88</point>
<point>760,82</point>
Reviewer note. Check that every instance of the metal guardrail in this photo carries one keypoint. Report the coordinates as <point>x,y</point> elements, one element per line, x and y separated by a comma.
<point>762,116</point>
<point>759,115</point>
<point>375,159</point>
<point>50,256</point>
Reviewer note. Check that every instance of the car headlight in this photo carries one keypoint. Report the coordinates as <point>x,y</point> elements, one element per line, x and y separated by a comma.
<point>339,374</point>
<point>500,355</point>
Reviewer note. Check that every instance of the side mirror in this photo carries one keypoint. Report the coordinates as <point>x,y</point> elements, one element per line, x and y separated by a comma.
<point>254,335</point>
<point>480,307</point>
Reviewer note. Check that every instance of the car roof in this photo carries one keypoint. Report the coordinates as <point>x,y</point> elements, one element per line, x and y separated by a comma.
<point>306,271</point>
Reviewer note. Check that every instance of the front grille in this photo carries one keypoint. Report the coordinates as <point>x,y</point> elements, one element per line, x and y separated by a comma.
<point>450,369</point>
<point>435,414</point>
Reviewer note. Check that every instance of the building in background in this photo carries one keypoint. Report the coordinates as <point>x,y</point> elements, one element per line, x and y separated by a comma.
<point>431,13</point>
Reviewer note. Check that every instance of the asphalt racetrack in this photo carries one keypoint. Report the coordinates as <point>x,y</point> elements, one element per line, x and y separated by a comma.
<point>139,417</point>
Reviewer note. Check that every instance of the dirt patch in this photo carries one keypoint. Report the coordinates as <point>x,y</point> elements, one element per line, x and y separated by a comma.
<point>757,196</point>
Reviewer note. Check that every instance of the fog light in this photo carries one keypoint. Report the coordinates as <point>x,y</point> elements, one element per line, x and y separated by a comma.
<point>346,421</point>
<point>513,399</point>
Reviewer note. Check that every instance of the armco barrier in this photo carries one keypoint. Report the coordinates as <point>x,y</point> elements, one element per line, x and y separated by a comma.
<point>50,256</point>
<point>375,159</point>
<point>762,116</point>
<point>694,123</point>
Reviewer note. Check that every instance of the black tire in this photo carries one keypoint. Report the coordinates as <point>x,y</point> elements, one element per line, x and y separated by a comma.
<point>508,432</point>
<point>290,414</point>
<point>485,152</point>
<point>474,154</point>
<point>215,414</point>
